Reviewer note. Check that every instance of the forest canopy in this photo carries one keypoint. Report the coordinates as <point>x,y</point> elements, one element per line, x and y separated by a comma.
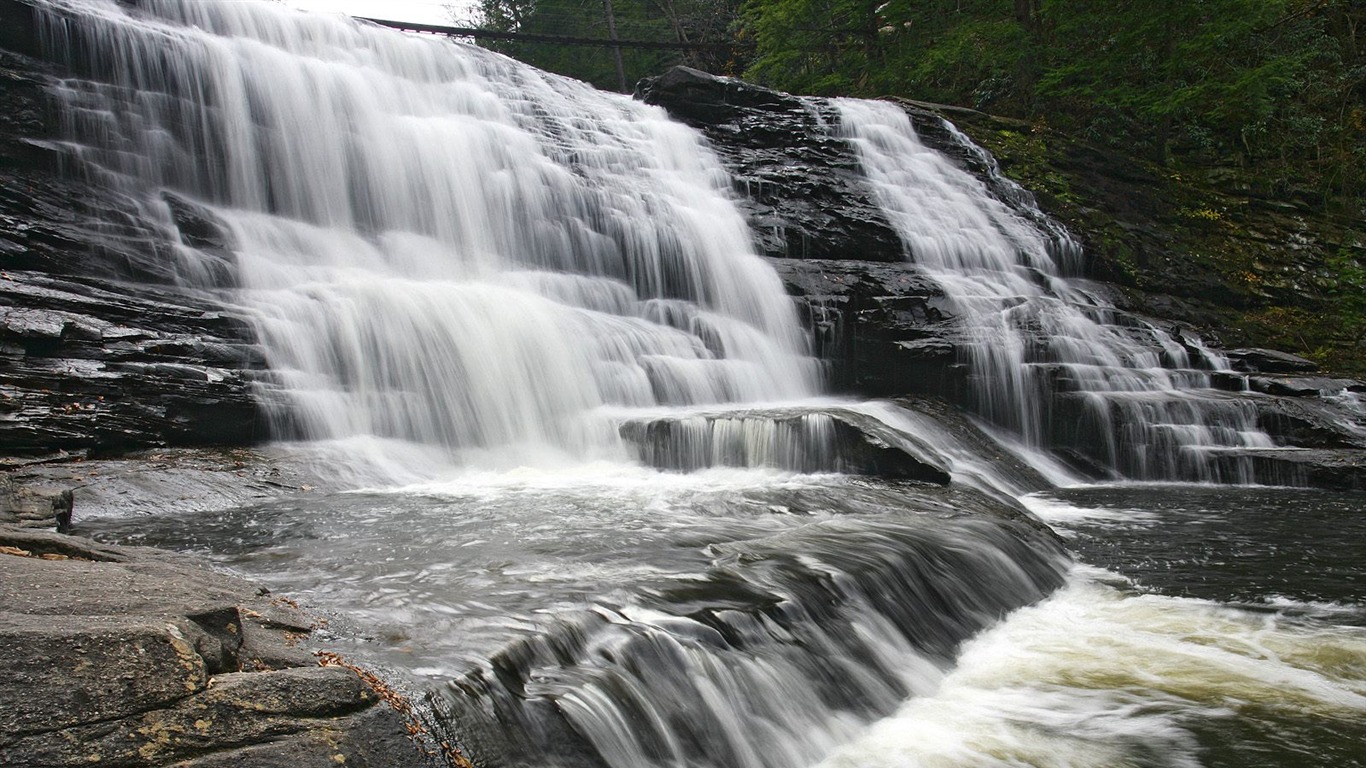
<point>1275,85</point>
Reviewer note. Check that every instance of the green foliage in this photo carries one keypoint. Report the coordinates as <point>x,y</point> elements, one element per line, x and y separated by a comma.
<point>1277,85</point>
<point>818,46</point>
<point>701,22</point>
<point>1347,267</point>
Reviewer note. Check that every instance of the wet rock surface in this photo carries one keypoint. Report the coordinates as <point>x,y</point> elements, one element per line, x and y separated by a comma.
<point>124,656</point>
<point>1337,470</point>
<point>107,367</point>
<point>100,350</point>
<point>884,329</point>
<point>800,187</point>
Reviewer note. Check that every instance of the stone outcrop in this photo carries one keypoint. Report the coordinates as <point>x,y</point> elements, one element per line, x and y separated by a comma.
<point>121,656</point>
<point>799,186</point>
<point>884,329</point>
<point>30,506</point>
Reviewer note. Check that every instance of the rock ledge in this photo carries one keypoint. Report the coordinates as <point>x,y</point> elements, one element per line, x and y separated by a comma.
<point>122,656</point>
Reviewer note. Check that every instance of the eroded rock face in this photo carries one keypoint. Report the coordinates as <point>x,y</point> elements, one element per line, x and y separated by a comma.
<point>30,506</point>
<point>883,329</point>
<point>800,187</point>
<point>127,657</point>
<point>100,350</point>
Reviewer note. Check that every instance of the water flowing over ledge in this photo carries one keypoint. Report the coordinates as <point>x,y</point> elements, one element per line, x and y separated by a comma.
<point>610,518</point>
<point>434,243</point>
<point>1051,362</point>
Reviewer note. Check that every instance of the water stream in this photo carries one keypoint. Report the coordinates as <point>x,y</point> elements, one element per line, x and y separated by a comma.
<point>1051,362</point>
<point>587,497</point>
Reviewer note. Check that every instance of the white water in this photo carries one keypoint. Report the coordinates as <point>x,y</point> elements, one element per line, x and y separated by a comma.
<point>436,244</point>
<point>1096,676</point>
<point>1051,361</point>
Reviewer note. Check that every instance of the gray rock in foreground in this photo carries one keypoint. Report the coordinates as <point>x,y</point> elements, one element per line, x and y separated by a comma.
<point>131,657</point>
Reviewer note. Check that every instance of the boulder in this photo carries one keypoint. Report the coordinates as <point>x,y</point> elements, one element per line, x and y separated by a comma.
<point>128,657</point>
<point>1268,361</point>
<point>1329,469</point>
<point>29,506</point>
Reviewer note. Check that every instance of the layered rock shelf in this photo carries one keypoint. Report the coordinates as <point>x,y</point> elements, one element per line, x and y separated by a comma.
<point>121,656</point>
<point>102,350</point>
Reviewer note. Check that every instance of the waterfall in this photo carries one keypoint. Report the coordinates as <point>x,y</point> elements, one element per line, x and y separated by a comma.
<point>442,247</point>
<point>436,244</point>
<point>1050,361</point>
<point>658,551</point>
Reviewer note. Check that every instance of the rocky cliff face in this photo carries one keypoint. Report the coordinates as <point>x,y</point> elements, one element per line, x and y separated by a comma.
<point>100,350</point>
<point>883,327</point>
<point>800,186</point>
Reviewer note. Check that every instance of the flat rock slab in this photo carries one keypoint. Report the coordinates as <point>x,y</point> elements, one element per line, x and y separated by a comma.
<point>121,656</point>
<point>1329,469</point>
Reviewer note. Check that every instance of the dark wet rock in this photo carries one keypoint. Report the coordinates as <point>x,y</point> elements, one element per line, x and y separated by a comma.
<point>197,225</point>
<point>1311,420</point>
<point>1329,469</point>
<point>99,349</point>
<point>884,329</point>
<point>1268,361</point>
<point>1303,411</point>
<point>103,368</point>
<point>130,657</point>
<point>1303,386</point>
<point>800,187</point>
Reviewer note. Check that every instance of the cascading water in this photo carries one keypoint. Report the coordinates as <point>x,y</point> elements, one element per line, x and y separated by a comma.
<point>436,244</point>
<point>442,248</point>
<point>1051,362</point>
